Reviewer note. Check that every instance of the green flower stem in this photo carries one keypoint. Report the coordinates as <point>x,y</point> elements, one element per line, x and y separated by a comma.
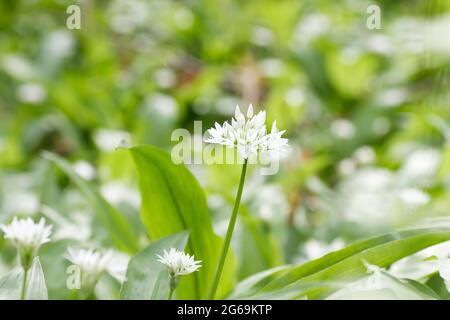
<point>229,234</point>
<point>173,283</point>
<point>170,294</point>
<point>24,284</point>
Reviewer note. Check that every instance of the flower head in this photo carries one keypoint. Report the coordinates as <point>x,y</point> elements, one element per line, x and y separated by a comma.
<point>26,234</point>
<point>179,263</point>
<point>91,262</point>
<point>248,134</point>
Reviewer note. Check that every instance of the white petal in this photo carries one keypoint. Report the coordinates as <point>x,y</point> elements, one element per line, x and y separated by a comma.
<point>250,111</point>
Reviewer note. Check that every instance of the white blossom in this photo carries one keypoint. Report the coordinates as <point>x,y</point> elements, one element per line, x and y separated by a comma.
<point>91,262</point>
<point>248,134</point>
<point>26,234</point>
<point>413,198</point>
<point>179,263</point>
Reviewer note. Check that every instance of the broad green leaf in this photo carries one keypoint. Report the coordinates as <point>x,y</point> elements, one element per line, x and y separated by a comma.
<point>254,283</point>
<point>146,277</point>
<point>120,230</point>
<point>384,286</point>
<point>348,264</point>
<point>11,283</point>
<point>173,201</point>
<point>295,292</point>
<point>297,272</point>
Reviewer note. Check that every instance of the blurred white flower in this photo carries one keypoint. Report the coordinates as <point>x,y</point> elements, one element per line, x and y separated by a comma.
<point>108,139</point>
<point>266,200</point>
<point>17,67</point>
<point>379,43</point>
<point>31,93</point>
<point>309,28</point>
<point>391,98</point>
<point>26,234</point>
<point>77,228</point>
<point>162,105</point>
<point>59,44</point>
<point>249,135</point>
<point>90,261</point>
<point>420,166</point>
<point>118,192</point>
<point>295,97</point>
<point>127,15</point>
<point>420,35</point>
<point>262,36</point>
<point>84,169</point>
<point>94,263</point>
<point>413,198</point>
<point>223,103</point>
<point>381,125</point>
<point>342,128</point>
<point>178,263</point>
<point>364,155</point>
<point>346,167</point>
<point>165,78</point>
<point>364,197</point>
<point>20,201</point>
<point>271,67</point>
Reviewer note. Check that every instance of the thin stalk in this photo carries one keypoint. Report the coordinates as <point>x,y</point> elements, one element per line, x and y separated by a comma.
<point>24,285</point>
<point>229,234</point>
<point>170,294</point>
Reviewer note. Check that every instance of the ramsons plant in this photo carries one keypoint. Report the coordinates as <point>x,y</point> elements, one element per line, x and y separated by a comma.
<point>27,236</point>
<point>177,220</point>
<point>249,136</point>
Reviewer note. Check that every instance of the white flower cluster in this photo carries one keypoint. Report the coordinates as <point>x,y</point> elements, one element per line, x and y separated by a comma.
<point>249,135</point>
<point>90,261</point>
<point>179,263</point>
<point>26,234</point>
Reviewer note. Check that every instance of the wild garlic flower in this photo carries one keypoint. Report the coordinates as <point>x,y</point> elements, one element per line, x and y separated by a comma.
<point>179,263</point>
<point>248,134</point>
<point>27,236</point>
<point>91,262</point>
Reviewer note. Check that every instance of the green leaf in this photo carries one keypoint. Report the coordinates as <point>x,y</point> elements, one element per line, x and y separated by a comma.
<point>11,283</point>
<point>36,287</point>
<point>54,264</point>
<point>147,278</point>
<point>300,271</point>
<point>384,286</point>
<point>251,285</point>
<point>348,264</point>
<point>437,284</point>
<point>120,230</point>
<point>173,201</point>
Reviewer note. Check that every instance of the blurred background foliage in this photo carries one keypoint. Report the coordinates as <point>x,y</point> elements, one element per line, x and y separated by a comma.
<point>367,113</point>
